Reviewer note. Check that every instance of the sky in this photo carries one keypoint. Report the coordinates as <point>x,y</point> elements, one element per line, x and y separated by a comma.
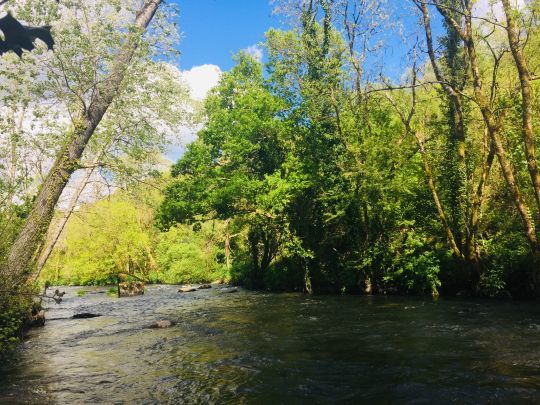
<point>214,30</point>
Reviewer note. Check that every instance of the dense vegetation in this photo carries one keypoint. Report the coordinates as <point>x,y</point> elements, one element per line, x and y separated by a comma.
<point>310,172</point>
<point>338,183</point>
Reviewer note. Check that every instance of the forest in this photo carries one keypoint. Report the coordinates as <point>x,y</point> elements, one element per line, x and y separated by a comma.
<point>313,170</point>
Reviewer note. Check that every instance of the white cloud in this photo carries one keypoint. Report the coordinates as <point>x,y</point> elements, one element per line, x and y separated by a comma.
<point>201,79</point>
<point>254,51</point>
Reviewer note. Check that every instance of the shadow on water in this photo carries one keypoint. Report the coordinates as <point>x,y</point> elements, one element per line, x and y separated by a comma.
<point>264,348</point>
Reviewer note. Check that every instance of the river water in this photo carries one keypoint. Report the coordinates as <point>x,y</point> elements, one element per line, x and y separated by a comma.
<point>259,348</point>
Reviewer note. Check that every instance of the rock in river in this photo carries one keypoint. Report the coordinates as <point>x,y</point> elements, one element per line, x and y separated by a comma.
<point>162,324</point>
<point>187,289</point>
<point>130,289</point>
<point>36,320</point>
<point>204,286</point>
<point>85,315</point>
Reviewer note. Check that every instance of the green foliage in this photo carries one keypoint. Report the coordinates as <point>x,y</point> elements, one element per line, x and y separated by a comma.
<point>15,307</point>
<point>104,240</point>
<point>185,255</point>
<point>115,237</point>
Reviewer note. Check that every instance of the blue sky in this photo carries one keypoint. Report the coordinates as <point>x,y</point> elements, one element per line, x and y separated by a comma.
<point>214,30</point>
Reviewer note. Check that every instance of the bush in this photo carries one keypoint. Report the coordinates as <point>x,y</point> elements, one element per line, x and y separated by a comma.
<point>185,255</point>
<point>15,307</point>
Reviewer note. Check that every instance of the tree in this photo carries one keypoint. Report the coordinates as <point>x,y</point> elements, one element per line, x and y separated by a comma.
<point>227,172</point>
<point>23,251</point>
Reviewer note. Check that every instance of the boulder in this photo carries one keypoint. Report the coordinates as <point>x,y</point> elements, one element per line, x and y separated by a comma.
<point>204,286</point>
<point>162,324</point>
<point>130,289</point>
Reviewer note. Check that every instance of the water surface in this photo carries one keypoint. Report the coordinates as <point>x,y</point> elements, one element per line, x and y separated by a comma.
<point>259,348</point>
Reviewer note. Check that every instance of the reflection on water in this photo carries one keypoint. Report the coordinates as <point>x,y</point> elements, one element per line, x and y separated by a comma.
<point>288,348</point>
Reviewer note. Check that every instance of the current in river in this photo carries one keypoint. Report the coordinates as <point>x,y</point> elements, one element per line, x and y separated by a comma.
<point>264,348</point>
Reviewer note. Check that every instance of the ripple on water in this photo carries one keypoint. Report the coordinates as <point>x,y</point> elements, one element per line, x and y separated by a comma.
<point>260,347</point>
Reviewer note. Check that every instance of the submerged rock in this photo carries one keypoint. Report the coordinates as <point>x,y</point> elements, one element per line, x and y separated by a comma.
<point>85,315</point>
<point>187,289</point>
<point>162,324</point>
<point>230,290</point>
<point>204,286</point>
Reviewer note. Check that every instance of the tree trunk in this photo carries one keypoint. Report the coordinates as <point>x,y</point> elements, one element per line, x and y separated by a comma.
<point>307,280</point>
<point>526,98</point>
<point>437,200</point>
<point>228,243</point>
<point>491,122</point>
<point>471,251</point>
<point>457,130</point>
<point>23,251</point>
<point>527,118</point>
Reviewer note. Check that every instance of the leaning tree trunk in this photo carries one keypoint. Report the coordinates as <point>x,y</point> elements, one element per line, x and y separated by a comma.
<point>435,194</point>
<point>23,251</point>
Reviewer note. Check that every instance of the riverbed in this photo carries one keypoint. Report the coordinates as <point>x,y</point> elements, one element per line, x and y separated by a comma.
<point>258,348</point>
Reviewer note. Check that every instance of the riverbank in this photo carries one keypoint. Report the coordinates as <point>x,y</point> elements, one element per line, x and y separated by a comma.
<point>258,347</point>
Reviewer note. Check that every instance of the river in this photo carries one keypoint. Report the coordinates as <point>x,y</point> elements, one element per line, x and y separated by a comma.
<point>258,348</point>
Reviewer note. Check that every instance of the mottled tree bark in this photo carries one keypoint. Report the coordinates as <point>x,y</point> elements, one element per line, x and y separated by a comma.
<point>527,114</point>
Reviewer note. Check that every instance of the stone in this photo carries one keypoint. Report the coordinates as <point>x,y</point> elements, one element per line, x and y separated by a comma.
<point>85,315</point>
<point>162,324</point>
<point>204,286</point>
<point>130,289</point>
<point>37,320</point>
<point>187,289</point>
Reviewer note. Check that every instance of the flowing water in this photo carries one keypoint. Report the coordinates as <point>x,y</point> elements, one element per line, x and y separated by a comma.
<point>262,348</point>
